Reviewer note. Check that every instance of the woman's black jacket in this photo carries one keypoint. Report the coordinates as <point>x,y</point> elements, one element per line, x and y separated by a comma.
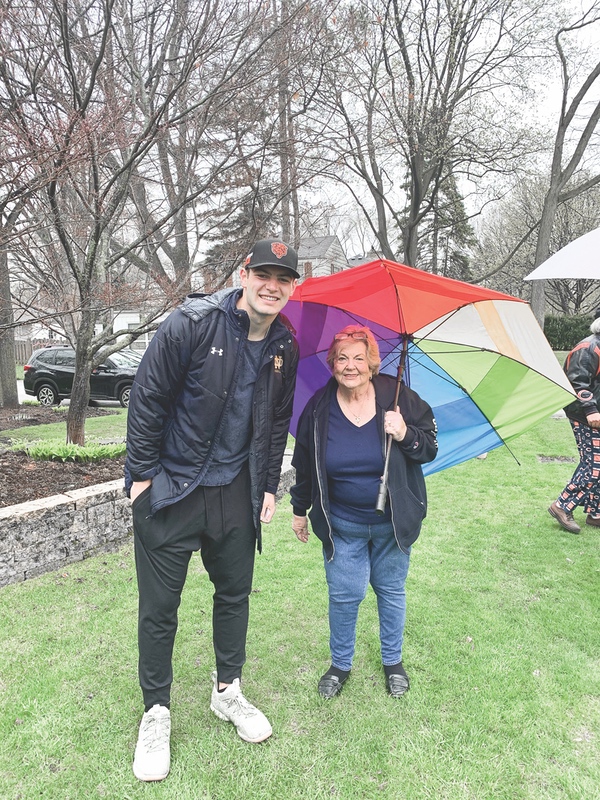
<point>181,398</point>
<point>406,485</point>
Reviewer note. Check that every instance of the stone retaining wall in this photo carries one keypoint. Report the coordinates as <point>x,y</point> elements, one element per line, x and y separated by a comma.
<point>45,535</point>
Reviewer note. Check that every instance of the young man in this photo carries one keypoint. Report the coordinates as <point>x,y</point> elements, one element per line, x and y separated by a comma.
<point>207,428</point>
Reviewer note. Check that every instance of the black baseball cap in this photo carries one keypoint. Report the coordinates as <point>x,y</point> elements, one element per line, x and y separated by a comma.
<point>273,253</point>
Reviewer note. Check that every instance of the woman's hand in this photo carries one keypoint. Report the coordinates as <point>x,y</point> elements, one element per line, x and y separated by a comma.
<point>593,420</point>
<point>300,528</point>
<point>394,424</point>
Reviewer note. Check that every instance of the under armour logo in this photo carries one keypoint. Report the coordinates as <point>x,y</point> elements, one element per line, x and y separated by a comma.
<point>216,352</point>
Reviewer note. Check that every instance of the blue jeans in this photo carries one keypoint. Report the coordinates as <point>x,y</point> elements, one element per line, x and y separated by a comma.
<point>365,554</point>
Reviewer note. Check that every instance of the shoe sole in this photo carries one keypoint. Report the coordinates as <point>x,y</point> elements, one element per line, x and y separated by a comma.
<point>562,524</point>
<point>222,716</point>
<point>149,778</point>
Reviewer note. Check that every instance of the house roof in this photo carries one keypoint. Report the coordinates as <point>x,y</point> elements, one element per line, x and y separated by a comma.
<point>315,246</point>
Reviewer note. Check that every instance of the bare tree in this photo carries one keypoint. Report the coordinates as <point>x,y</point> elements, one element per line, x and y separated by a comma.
<point>507,244</point>
<point>17,182</point>
<point>260,194</point>
<point>100,92</point>
<point>422,102</point>
<point>576,131</point>
<point>9,396</point>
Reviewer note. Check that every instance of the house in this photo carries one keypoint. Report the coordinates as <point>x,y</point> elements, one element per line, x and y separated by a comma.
<point>320,255</point>
<point>356,261</point>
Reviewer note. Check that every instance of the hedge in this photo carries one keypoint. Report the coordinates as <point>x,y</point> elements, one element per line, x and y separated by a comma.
<point>564,332</point>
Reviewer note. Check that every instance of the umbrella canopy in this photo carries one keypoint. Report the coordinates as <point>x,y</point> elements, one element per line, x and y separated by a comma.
<point>578,259</point>
<point>478,357</point>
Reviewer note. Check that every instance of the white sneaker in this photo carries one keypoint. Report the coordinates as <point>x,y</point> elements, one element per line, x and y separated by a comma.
<point>152,759</point>
<point>232,706</point>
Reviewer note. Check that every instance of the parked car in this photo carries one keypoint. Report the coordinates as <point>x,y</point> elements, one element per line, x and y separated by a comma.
<point>48,375</point>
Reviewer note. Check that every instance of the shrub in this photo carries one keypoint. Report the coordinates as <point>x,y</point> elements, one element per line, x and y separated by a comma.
<point>564,332</point>
<point>60,451</point>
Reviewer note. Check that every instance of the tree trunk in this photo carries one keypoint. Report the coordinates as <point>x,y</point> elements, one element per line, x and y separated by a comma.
<point>542,250</point>
<point>538,301</point>
<point>285,143</point>
<point>80,394</point>
<point>9,395</point>
<point>411,228</point>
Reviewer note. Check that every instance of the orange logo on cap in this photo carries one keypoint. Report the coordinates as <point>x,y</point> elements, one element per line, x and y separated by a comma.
<point>279,249</point>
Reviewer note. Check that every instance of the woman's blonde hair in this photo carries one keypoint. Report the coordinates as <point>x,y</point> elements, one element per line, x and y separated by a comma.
<point>349,332</point>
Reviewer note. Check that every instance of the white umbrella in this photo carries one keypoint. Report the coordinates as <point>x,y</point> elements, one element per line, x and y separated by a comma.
<point>579,259</point>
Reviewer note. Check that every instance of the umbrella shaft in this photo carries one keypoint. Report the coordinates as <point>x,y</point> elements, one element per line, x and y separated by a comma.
<point>382,494</point>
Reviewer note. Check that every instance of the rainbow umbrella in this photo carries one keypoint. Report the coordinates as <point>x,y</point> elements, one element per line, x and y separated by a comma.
<point>477,356</point>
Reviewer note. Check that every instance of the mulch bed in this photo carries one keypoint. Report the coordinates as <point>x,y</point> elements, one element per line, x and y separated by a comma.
<point>23,478</point>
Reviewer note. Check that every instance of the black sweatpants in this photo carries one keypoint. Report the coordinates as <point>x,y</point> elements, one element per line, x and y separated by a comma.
<point>217,520</point>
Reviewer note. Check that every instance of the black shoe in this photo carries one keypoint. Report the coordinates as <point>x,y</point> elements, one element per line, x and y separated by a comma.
<point>330,685</point>
<point>397,683</point>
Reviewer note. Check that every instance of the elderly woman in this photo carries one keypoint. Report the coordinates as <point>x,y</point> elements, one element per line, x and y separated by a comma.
<point>339,459</point>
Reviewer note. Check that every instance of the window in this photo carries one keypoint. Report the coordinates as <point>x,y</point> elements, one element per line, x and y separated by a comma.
<point>125,359</point>
<point>64,358</point>
<point>46,356</point>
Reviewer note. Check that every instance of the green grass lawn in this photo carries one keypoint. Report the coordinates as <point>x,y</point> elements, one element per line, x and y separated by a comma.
<point>111,426</point>
<point>502,647</point>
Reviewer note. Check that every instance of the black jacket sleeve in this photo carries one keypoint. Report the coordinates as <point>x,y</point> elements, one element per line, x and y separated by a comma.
<point>157,384</point>
<point>582,367</point>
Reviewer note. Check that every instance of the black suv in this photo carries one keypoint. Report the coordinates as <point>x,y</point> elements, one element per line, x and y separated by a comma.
<point>49,375</point>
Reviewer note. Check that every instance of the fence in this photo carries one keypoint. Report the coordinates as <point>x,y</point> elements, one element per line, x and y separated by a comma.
<point>24,348</point>
<point>22,352</point>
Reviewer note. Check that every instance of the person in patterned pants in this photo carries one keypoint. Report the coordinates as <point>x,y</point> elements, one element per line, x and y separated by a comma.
<point>582,367</point>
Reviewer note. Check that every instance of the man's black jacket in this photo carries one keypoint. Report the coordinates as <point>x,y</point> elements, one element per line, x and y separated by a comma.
<point>182,394</point>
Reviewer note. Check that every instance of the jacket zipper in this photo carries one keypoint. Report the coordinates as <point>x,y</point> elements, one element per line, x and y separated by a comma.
<point>212,446</point>
<point>320,482</point>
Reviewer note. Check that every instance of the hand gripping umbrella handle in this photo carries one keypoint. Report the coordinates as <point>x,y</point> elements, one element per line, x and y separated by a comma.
<point>383,484</point>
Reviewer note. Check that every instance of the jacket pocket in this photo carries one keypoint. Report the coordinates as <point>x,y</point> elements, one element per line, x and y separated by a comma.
<point>408,512</point>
